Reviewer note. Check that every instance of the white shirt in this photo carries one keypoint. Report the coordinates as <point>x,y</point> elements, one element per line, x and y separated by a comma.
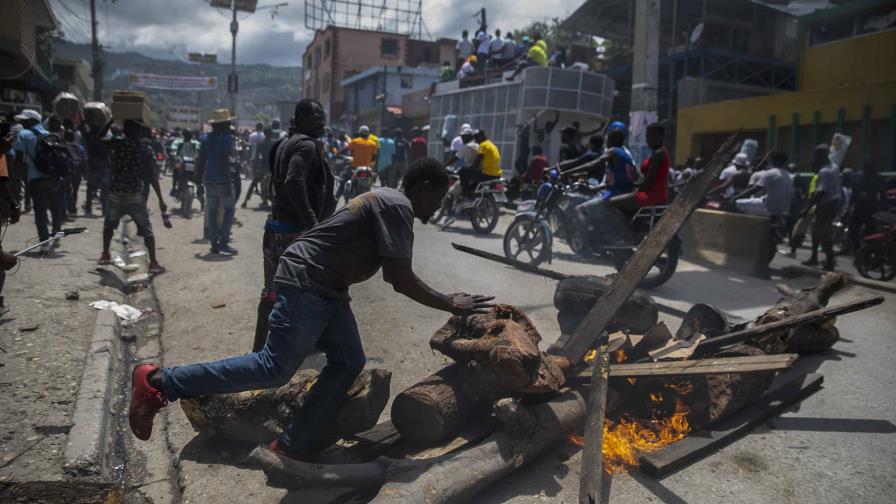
<point>255,138</point>
<point>726,174</point>
<point>468,153</point>
<point>496,46</point>
<point>465,70</point>
<point>464,48</point>
<point>509,50</point>
<point>483,44</point>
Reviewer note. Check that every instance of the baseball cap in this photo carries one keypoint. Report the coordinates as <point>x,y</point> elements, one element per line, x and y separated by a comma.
<point>364,129</point>
<point>466,129</point>
<point>741,159</point>
<point>28,114</point>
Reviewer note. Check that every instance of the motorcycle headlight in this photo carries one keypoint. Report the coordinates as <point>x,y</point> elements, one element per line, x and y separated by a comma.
<point>545,190</point>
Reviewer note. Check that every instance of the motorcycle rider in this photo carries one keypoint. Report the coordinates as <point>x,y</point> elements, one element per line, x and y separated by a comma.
<point>466,156</point>
<point>486,165</point>
<point>652,187</point>
<point>363,149</point>
<point>186,149</point>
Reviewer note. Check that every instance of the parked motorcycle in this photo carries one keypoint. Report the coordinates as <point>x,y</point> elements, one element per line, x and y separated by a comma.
<point>482,208</point>
<point>553,214</point>
<point>876,257</point>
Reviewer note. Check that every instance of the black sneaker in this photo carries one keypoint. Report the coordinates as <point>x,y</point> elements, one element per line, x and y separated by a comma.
<point>227,249</point>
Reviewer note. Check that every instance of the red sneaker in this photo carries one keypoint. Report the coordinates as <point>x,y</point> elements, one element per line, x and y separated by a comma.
<point>274,446</point>
<point>146,401</point>
<point>105,258</point>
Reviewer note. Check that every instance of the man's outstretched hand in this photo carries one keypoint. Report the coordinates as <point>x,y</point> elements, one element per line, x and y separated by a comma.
<point>469,304</point>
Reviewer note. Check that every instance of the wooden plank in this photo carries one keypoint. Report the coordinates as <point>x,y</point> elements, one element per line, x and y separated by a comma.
<point>511,262</point>
<point>720,365</point>
<point>469,436</point>
<point>698,445</point>
<point>595,323</point>
<point>789,323</point>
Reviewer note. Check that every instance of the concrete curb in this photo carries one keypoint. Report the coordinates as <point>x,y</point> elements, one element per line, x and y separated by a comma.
<point>85,452</point>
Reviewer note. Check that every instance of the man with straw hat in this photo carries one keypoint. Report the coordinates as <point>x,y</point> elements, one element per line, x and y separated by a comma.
<point>214,171</point>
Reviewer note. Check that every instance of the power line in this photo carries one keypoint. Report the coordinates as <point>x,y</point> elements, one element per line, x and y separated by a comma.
<point>72,24</point>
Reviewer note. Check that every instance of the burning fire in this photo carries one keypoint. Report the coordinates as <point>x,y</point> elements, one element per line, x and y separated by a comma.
<point>618,356</point>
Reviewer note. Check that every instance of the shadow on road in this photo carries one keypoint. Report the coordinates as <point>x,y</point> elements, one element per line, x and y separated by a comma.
<point>857,425</point>
<point>466,231</point>
<point>209,257</point>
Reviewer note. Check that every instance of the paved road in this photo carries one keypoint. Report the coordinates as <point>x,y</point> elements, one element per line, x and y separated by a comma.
<point>838,446</point>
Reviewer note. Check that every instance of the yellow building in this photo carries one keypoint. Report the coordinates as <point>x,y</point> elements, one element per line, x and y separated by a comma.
<point>847,83</point>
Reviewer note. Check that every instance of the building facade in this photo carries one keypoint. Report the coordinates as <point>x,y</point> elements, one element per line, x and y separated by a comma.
<point>376,96</point>
<point>26,71</point>
<point>73,76</point>
<point>846,83</point>
<point>336,54</point>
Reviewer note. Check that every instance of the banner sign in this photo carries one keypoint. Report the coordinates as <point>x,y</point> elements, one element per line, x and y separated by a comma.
<point>175,82</point>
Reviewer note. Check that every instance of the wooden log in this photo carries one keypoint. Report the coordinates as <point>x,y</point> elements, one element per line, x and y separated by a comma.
<point>698,445</point>
<point>447,479</point>
<point>788,323</point>
<point>624,284</point>
<point>432,409</point>
<point>261,415</point>
<point>718,365</point>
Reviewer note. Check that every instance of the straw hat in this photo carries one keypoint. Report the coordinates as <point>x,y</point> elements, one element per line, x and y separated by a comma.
<point>221,115</point>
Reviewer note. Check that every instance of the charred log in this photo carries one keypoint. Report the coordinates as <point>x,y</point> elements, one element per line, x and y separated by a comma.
<point>261,415</point>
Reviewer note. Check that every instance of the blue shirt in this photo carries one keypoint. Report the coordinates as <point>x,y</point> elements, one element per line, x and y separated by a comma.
<point>26,143</point>
<point>215,149</point>
<point>618,178</point>
<point>387,151</point>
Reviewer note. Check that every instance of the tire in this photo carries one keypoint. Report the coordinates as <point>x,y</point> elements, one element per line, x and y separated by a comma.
<point>873,261</point>
<point>186,203</point>
<point>662,270</point>
<point>538,237</point>
<point>575,296</point>
<point>484,216</point>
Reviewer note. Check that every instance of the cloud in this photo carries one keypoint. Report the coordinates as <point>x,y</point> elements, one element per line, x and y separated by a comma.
<point>172,28</point>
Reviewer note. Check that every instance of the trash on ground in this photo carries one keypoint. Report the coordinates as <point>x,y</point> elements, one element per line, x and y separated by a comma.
<point>124,312</point>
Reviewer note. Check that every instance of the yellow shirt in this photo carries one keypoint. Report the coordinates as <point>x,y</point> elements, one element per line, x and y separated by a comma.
<point>491,159</point>
<point>376,139</point>
<point>538,55</point>
<point>363,151</point>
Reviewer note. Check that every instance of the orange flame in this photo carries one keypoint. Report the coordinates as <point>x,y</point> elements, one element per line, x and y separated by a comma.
<point>626,440</point>
<point>620,356</point>
<point>590,356</point>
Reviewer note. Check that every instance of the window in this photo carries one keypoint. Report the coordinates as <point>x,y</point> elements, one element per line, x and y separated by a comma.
<point>327,49</point>
<point>389,47</point>
<point>327,80</point>
<point>407,82</point>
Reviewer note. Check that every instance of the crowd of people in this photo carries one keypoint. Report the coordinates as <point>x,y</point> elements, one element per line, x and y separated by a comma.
<point>494,51</point>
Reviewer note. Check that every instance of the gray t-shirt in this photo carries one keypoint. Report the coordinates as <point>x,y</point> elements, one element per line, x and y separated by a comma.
<point>778,190</point>
<point>349,246</point>
<point>830,184</point>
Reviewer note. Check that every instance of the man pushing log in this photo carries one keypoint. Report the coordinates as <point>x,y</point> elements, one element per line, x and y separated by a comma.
<point>312,311</point>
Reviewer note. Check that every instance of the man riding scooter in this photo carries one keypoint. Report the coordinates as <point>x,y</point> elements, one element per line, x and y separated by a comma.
<point>186,149</point>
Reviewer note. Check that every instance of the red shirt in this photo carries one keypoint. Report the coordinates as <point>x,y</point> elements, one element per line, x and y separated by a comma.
<point>536,169</point>
<point>418,148</point>
<point>657,193</point>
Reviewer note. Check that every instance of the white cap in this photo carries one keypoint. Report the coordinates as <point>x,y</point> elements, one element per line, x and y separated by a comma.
<point>28,114</point>
<point>466,129</point>
<point>741,159</point>
<point>364,129</point>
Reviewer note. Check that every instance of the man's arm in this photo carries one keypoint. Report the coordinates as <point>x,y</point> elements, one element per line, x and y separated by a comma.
<point>297,177</point>
<point>399,273</point>
<point>154,181</point>
<point>652,170</point>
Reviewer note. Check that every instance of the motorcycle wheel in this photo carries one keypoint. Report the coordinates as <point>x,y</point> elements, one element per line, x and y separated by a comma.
<point>874,262</point>
<point>484,216</point>
<point>534,248</point>
<point>661,271</point>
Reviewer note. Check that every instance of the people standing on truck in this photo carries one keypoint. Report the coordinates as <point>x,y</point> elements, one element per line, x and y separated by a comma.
<point>468,68</point>
<point>464,48</point>
<point>44,189</point>
<point>496,51</point>
<point>132,169</point>
<point>535,56</point>
<point>302,197</point>
<point>483,46</point>
<point>508,52</point>
<point>214,171</point>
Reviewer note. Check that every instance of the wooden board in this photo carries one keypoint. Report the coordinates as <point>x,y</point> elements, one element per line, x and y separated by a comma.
<point>698,445</point>
<point>719,365</point>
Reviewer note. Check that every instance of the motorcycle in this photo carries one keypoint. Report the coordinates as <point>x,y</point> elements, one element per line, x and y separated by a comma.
<point>876,257</point>
<point>553,214</point>
<point>482,208</point>
<point>361,181</point>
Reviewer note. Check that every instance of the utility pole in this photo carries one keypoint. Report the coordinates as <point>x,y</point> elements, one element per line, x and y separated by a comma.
<point>96,69</point>
<point>232,79</point>
<point>645,75</point>
<point>385,94</point>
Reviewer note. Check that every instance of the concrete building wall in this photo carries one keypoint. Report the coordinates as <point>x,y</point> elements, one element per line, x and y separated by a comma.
<point>866,58</point>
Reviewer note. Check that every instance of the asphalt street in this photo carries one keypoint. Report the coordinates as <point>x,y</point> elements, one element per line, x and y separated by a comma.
<point>837,446</point>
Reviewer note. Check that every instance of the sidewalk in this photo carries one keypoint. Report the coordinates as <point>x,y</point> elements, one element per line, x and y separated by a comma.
<point>44,339</point>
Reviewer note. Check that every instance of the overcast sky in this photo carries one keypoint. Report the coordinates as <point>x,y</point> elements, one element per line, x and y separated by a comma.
<point>171,28</point>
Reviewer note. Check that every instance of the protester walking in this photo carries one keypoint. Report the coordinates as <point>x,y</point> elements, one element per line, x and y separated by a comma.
<point>43,188</point>
<point>214,171</point>
<point>827,200</point>
<point>133,167</point>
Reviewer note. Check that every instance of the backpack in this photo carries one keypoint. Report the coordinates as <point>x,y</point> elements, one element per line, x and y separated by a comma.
<point>78,162</point>
<point>52,157</point>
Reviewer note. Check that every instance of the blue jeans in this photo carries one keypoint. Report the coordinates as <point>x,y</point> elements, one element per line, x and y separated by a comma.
<point>46,194</point>
<point>219,195</point>
<point>300,323</point>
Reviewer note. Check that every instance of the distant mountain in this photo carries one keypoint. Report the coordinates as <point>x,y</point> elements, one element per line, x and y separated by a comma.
<point>261,86</point>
